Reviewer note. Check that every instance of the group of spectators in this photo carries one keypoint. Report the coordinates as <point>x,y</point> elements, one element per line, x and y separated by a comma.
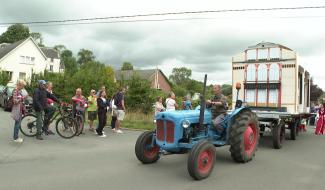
<point>97,105</point>
<point>171,104</point>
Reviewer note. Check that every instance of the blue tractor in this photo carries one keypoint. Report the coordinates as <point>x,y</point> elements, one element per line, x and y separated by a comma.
<point>193,131</point>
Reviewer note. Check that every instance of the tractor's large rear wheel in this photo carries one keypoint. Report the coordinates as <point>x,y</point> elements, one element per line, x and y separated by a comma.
<point>278,135</point>
<point>244,137</point>
<point>146,150</point>
<point>201,160</point>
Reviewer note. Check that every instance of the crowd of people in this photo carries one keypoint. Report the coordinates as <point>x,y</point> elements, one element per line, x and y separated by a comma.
<point>97,106</point>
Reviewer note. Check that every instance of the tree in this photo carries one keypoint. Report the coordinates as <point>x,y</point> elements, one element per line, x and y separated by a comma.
<point>15,33</point>
<point>226,89</point>
<point>85,56</point>
<point>315,92</point>
<point>60,48</point>
<point>66,53</point>
<point>180,75</point>
<point>127,66</point>
<point>37,38</point>
<point>4,78</point>
<point>139,96</point>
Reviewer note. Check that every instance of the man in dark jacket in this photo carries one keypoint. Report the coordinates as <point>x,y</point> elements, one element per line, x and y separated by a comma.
<point>40,105</point>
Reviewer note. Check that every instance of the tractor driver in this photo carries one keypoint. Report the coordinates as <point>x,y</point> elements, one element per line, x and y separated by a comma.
<point>218,105</point>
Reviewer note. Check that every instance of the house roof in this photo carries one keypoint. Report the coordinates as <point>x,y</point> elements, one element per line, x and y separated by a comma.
<point>268,45</point>
<point>143,74</point>
<point>50,52</point>
<point>5,49</point>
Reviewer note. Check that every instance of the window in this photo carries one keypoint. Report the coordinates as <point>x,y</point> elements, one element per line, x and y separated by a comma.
<point>51,68</point>
<point>22,75</point>
<point>262,72</point>
<point>275,53</point>
<point>10,74</point>
<point>274,72</point>
<point>262,53</point>
<point>251,72</point>
<point>261,101</point>
<point>52,60</point>
<point>273,97</point>
<point>27,60</point>
<point>251,54</point>
<point>250,97</point>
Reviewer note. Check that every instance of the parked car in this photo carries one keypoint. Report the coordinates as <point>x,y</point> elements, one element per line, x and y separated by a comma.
<point>6,96</point>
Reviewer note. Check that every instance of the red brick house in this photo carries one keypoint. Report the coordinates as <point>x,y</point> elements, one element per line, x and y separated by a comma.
<point>157,78</point>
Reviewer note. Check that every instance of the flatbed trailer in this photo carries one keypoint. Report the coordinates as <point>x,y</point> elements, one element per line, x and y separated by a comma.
<point>279,122</point>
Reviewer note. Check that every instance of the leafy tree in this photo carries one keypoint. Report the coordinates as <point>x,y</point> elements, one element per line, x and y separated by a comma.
<point>226,89</point>
<point>4,78</point>
<point>70,65</point>
<point>66,53</point>
<point>15,33</point>
<point>315,92</point>
<point>60,48</point>
<point>85,56</point>
<point>139,96</point>
<point>180,75</point>
<point>37,38</point>
<point>127,66</point>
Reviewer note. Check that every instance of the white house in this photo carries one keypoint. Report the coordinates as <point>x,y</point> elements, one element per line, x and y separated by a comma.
<point>22,58</point>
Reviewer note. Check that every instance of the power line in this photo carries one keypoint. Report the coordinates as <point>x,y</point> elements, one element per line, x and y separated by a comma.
<point>164,14</point>
<point>163,20</point>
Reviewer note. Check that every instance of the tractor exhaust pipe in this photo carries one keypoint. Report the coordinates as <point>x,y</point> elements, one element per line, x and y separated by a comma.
<point>202,109</point>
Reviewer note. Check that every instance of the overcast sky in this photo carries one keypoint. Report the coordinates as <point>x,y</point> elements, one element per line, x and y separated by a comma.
<point>205,45</point>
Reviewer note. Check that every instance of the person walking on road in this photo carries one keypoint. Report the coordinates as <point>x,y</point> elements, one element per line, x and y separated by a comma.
<point>321,120</point>
<point>40,105</point>
<point>92,109</point>
<point>102,104</point>
<point>120,109</point>
<point>18,108</point>
<point>171,104</point>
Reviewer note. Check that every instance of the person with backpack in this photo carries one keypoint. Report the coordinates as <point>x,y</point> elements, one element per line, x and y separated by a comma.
<point>120,109</point>
<point>113,113</point>
<point>18,108</point>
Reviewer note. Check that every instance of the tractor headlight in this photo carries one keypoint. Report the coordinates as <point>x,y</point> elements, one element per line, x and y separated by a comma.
<point>186,124</point>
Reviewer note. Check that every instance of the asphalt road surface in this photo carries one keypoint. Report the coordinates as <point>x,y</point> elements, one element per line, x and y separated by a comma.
<point>89,162</point>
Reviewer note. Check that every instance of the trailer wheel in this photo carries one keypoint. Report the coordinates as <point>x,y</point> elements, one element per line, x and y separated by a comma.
<point>146,150</point>
<point>278,135</point>
<point>244,137</point>
<point>201,160</point>
<point>294,129</point>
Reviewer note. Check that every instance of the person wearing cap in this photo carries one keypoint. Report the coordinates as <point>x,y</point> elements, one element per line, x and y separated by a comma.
<point>92,109</point>
<point>40,105</point>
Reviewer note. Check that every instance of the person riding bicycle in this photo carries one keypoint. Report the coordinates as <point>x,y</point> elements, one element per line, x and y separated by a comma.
<point>40,105</point>
<point>79,103</point>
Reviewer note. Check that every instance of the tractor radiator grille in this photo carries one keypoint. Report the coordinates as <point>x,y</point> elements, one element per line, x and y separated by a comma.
<point>169,135</point>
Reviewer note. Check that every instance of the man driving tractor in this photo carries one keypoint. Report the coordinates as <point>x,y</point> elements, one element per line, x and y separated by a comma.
<point>218,105</point>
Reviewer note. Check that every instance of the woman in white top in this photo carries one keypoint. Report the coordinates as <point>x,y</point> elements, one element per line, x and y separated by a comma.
<point>171,104</point>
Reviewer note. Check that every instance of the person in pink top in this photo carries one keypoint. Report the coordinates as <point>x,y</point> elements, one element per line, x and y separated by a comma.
<point>321,120</point>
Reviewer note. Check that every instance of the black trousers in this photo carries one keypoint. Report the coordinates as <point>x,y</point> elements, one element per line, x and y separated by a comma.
<point>113,122</point>
<point>102,119</point>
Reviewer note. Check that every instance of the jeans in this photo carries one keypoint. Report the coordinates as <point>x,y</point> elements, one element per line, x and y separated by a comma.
<point>102,119</point>
<point>39,122</point>
<point>16,129</point>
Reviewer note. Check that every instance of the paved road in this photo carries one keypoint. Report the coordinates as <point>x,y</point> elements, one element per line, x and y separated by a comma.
<point>89,162</point>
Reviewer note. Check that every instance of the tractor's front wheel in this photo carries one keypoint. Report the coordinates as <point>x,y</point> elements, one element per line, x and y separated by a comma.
<point>244,137</point>
<point>201,160</point>
<point>146,150</point>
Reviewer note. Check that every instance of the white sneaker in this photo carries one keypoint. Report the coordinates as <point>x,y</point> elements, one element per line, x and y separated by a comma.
<point>119,131</point>
<point>103,136</point>
<point>113,129</point>
<point>19,140</point>
<point>103,132</point>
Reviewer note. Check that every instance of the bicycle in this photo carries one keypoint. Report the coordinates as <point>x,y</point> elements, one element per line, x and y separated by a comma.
<point>65,126</point>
